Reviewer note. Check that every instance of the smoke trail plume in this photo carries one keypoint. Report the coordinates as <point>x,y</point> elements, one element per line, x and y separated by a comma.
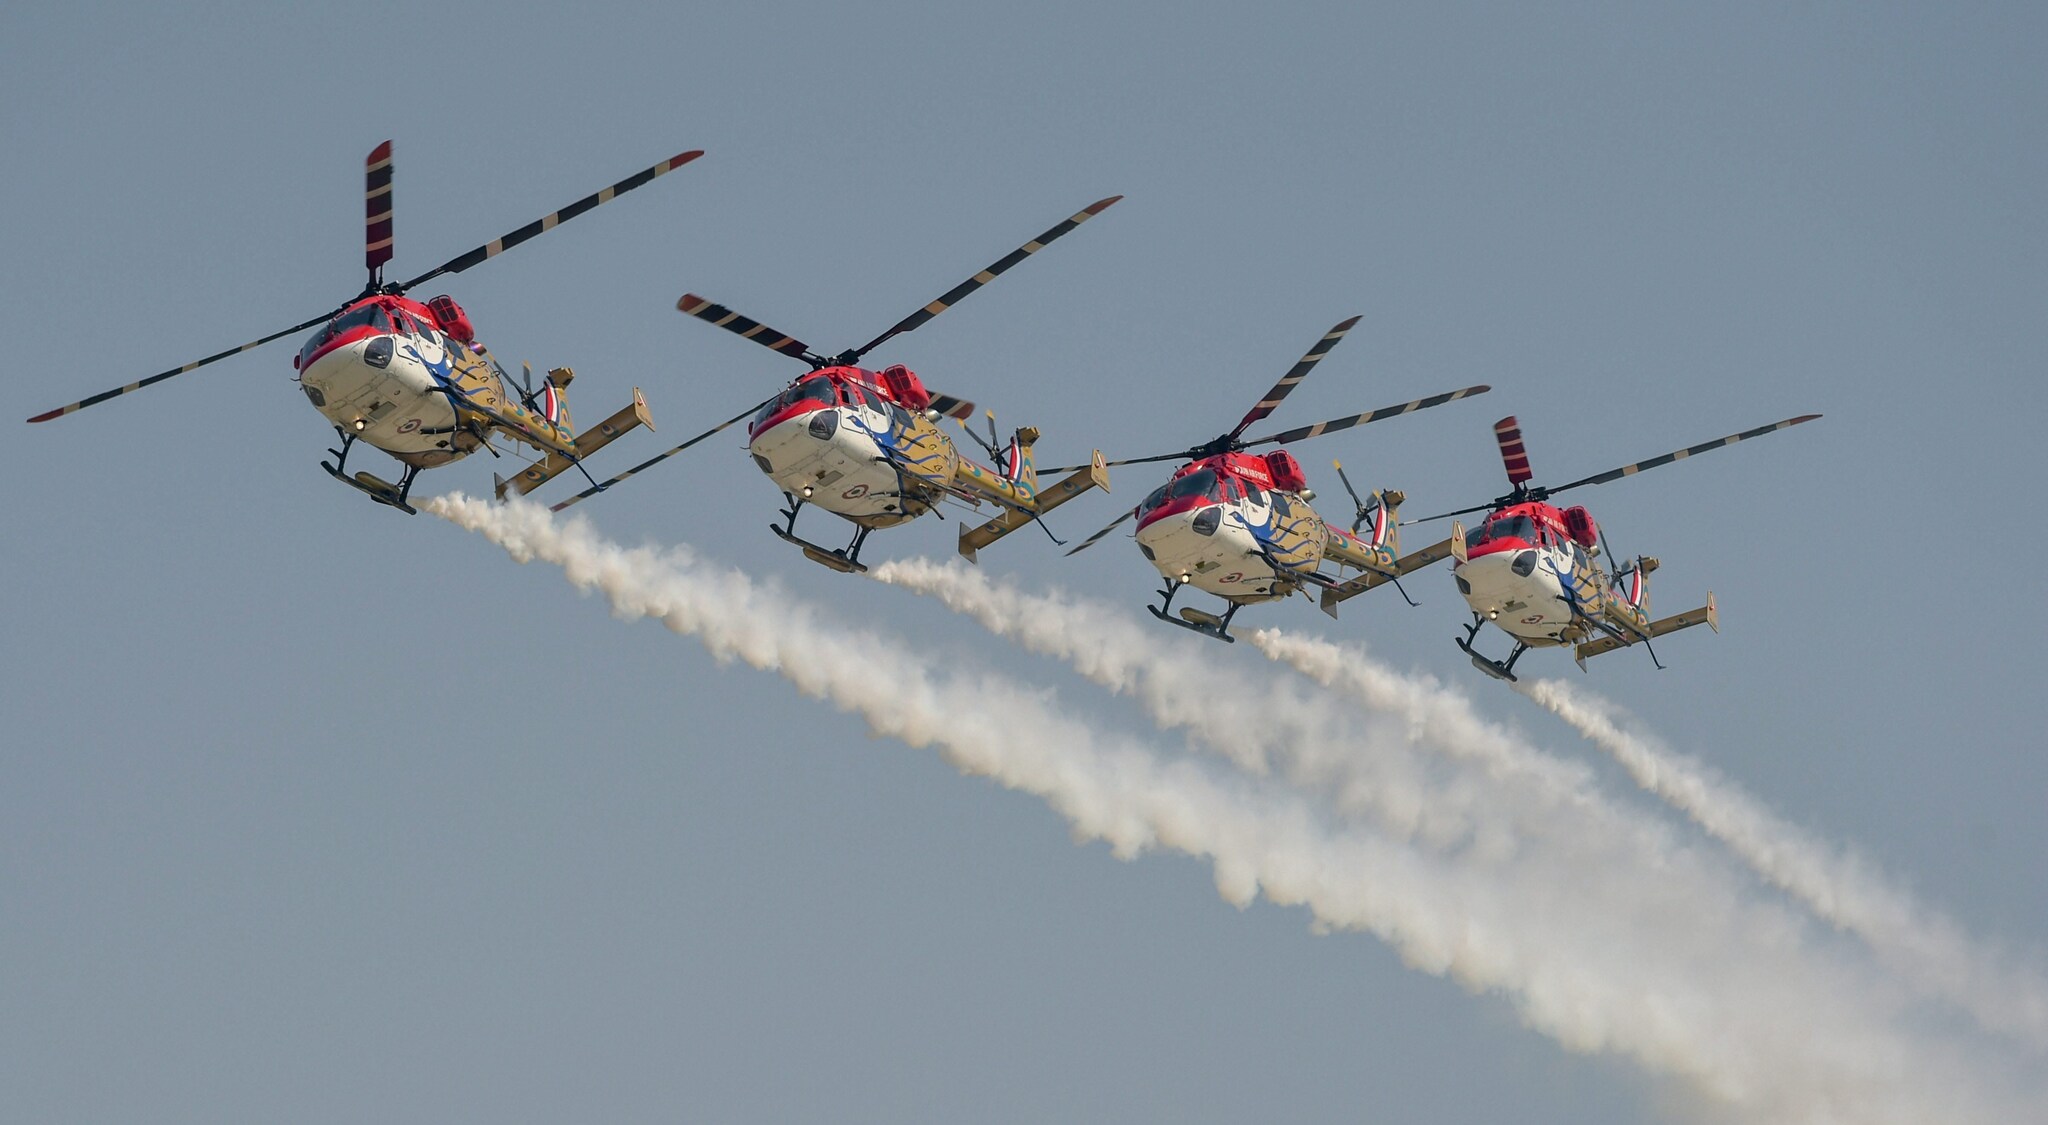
<point>1923,948</point>
<point>1728,994</point>
<point>1364,762</point>
<point>1919,943</point>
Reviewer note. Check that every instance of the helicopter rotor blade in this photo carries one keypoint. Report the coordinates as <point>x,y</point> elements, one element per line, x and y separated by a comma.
<point>1272,399</point>
<point>1183,455</point>
<point>652,461</point>
<point>103,396</point>
<point>1680,455</point>
<point>1507,433</point>
<point>1358,519</point>
<point>1613,564</point>
<point>959,292</point>
<point>549,222</point>
<point>1093,539</point>
<point>1486,507</point>
<point>748,328</point>
<point>377,210</point>
<point>958,409</point>
<point>1295,374</point>
<point>1360,504</point>
<point>1303,433</point>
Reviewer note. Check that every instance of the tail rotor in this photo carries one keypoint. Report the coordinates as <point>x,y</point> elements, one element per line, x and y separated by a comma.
<point>1364,511</point>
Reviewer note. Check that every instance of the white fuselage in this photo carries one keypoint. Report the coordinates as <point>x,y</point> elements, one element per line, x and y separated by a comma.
<point>833,457</point>
<point>1226,559</point>
<point>395,407</point>
<point>1533,607</point>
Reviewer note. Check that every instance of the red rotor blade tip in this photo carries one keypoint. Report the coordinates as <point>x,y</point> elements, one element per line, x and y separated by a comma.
<point>1099,207</point>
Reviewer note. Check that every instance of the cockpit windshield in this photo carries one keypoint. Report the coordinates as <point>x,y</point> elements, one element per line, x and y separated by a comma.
<point>371,315</point>
<point>814,390</point>
<point>1200,483</point>
<point>1506,527</point>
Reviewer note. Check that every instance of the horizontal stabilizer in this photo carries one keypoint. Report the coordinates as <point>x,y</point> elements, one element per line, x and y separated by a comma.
<point>1403,567</point>
<point>587,443</point>
<point>1708,615</point>
<point>1094,475</point>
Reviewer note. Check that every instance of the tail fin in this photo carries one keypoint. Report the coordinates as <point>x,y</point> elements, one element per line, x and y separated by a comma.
<point>1018,469</point>
<point>553,400</point>
<point>1639,583</point>
<point>1386,521</point>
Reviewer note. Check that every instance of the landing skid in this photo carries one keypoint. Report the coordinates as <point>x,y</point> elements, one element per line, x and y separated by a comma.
<point>369,484</point>
<point>841,561</point>
<point>1503,670</point>
<point>1195,620</point>
<point>845,561</point>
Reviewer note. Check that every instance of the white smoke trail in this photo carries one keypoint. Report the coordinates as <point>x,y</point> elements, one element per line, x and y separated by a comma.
<point>1105,647</point>
<point>1319,741</point>
<point>1361,763</point>
<point>1919,943</point>
<point>1930,953</point>
<point>1702,985</point>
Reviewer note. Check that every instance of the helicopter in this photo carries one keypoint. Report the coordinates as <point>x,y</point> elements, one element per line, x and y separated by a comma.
<point>1529,566</point>
<point>1239,525</point>
<point>411,378</point>
<point>865,445</point>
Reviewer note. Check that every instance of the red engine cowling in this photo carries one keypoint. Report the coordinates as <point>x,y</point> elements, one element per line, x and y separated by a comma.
<point>1286,471</point>
<point>1578,523</point>
<point>451,318</point>
<point>905,387</point>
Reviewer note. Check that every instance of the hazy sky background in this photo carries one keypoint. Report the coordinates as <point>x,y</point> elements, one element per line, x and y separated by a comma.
<point>313,811</point>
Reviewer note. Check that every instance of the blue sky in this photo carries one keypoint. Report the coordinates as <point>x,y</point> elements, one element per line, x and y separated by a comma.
<point>314,810</point>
